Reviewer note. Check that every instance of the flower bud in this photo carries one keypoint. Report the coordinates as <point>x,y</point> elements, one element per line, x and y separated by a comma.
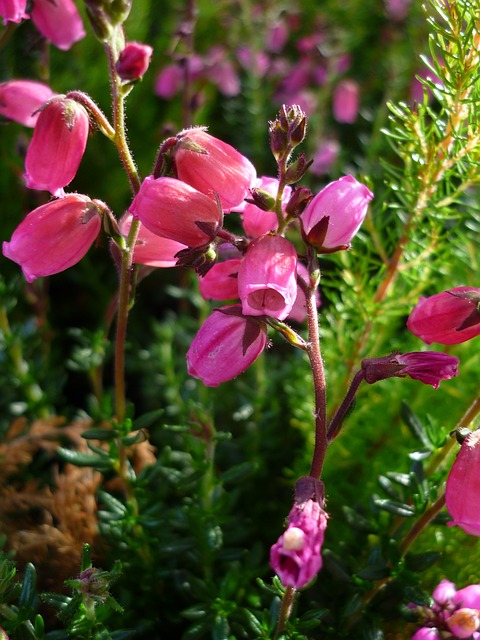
<point>430,367</point>
<point>226,344</point>
<point>267,278</point>
<point>334,216</point>
<point>213,167</point>
<point>20,100</point>
<point>296,556</point>
<point>13,10</point>
<point>57,146</point>
<point>462,493</point>
<point>449,317</point>
<point>221,281</point>
<point>151,249</point>
<point>133,61</point>
<point>172,209</point>
<point>345,101</point>
<point>58,22</point>
<point>55,236</point>
<point>463,622</point>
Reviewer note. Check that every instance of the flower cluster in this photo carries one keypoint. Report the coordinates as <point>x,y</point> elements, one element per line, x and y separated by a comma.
<point>453,614</point>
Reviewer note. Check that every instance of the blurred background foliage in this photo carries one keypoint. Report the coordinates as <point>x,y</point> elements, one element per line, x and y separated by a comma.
<point>219,478</point>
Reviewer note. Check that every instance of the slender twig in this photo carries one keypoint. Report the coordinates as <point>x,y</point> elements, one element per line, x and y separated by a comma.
<point>288,601</point>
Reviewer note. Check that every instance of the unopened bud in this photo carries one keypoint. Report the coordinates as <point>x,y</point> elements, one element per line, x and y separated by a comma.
<point>297,169</point>
<point>261,199</point>
<point>298,201</point>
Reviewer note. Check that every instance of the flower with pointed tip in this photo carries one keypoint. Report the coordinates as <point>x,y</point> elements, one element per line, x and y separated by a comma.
<point>430,367</point>
<point>226,344</point>
<point>58,21</point>
<point>55,236</point>
<point>462,492</point>
<point>57,146</point>
<point>21,99</point>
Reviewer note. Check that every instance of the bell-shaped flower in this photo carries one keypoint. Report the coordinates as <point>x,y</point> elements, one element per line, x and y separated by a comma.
<point>55,236</point>
<point>172,209</point>
<point>463,622</point>
<point>449,317</point>
<point>296,556</point>
<point>59,22</point>
<point>226,344</point>
<point>220,282</point>
<point>57,146</point>
<point>462,493</point>
<point>21,99</point>
<point>334,216</point>
<point>133,61</point>
<point>267,278</point>
<point>13,10</point>
<point>150,249</point>
<point>430,367</point>
<point>256,221</point>
<point>346,101</point>
<point>213,167</point>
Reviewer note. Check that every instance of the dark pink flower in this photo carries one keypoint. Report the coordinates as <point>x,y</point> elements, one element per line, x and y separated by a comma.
<point>20,99</point>
<point>226,344</point>
<point>334,216</point>
<point>325,157</point>
<point>449,317</point>
<point>169,81</point>
<point>296,556</point>
<point>55,236</point>
<point>58,21</point>
<point>13,10</point>
<point>346,101</point>
<point>133,61</point>
<point>57,146</point>
<point>151,249</point>
<point>213,167</point>
<point>172,209</point>
<point>463,489</point>
<point>267,278</point>
<point>220,282</point>
<point>427,633</point>
<point>430,367</point>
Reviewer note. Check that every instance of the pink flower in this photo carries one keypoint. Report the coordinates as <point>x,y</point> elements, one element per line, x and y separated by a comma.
<point>59,22</point>
<point>334,216</point>
<point>296,556</point>
<point>468,597</point>
<point>449,317</point>
<point>20,99</point>
<point>325,157</point>
<point>463,489</point>
<point>13,10</point>
<point>444,592</point>
<point>463,622</point>
<point>151,249</point>
<point>55,236</point>
<point>226,344</point>
<point>169,81</point>
<point>172,209</point>
<point>256,221</point>
<point>220,282</point>
<point>427,633</point>
<point>133,61</point>
<point>346,101</point>
<point>267,278</point>
<point>213,167</point>
<point>430,367</point>
<point>57,146</point>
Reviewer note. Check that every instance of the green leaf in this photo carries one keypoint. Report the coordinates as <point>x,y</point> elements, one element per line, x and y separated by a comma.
<point>99,434</point>
<point>415,425</point>
<point>397,508</point>
<point>102,462</point>
<point>27,596</point>
<point>238,473</point>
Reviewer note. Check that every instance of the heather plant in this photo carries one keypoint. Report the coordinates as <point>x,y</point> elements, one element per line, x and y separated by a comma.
<point>220,418</point>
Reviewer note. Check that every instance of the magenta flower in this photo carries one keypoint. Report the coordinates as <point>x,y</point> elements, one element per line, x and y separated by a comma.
<point>172,209</point>
<point>226,344</point>
<point>256,221</point>
<point>463,487</point>
<point>334,216</point>
<point>20,100</point>
<point>213,167</point>
<point>296,556</point>
<point>169,81</point>
<point>57,146</point>
<point>133,61</point>
<point>267,278</point>
<point>13,10</point>
<point>150,249</point>
<point>430,367</point>
<point>449,317</point>
<point>463,622</point>
<point>55,236</point>
<point>220,282</point>
<point>59,22</point>
<point>346,101</point>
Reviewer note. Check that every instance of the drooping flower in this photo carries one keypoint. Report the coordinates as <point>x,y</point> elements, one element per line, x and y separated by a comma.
<point>133,61</point>
<point>55,236</point>
<point>57,146</point>
<point>59,22</point>
<point>13,10</point>
<point>267,278</point>
<point>20,100</point>
<point>213,167</point>
<point>334,216</point>
<point>226,344</point>
<point>463,487</point>
<point>296,556</point>
<point>220,282</point>
<point>346,101</point>
<point>449,317</point>
<point>430,367</point>
<point>173,209</point>
<point>150,249</point>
